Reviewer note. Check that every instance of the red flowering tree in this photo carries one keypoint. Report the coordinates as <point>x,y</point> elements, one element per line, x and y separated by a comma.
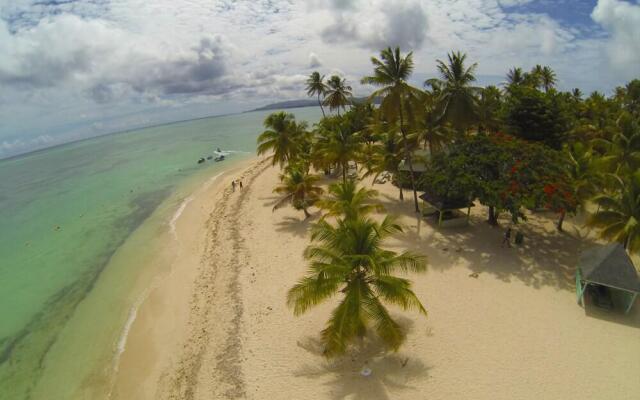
<point>505,174</point>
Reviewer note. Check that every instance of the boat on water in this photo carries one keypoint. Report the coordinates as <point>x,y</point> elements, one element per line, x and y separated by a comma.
<point>219,158</point>
<point>201,160</point>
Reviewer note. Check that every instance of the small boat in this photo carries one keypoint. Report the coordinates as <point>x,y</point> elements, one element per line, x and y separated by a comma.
<point>219,158</point>
<point>218,150</point>
<point>209,157</point>
<point>201,160</point>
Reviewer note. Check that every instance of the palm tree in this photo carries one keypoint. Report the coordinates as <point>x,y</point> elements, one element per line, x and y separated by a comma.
<point>386,157</point>
<point>457,100</point>
<point>547,78</point>
<point>348,259</point>
<point>432,133</point>
<point>489,105</point>
<point>338,94</point>
<point>515,77</point>
<point>534,78</point>
<point>391,74</point>
<point>622,151</point>
<point>618,215</point>
<point>281,137</point>
<point>583,171</point>
<point>316,86</point>
<point>577,94</point>
<point>336,144</point>
<point>298,188</point>
<point>347,201</point>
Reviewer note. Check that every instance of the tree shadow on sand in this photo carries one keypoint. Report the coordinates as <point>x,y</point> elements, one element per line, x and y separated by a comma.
<point>391,373</point>
<point>547,257</point>
<point>269,201</point>
<point>297,226</point>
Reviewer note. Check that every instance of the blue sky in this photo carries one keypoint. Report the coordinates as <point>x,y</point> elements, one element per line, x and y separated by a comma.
<point>72,69</point>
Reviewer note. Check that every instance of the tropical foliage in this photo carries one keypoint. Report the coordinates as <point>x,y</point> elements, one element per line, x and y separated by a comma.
<point>619,213</point>
<point>298,188</point>
<point>347,259</point>
<point>524,146</point>
<point>391,73</point>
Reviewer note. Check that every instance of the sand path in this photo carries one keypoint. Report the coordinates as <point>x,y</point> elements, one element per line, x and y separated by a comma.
<point>210,362</point>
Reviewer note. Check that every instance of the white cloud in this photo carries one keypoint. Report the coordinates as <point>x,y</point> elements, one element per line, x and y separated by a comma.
<point>376,24</point>
<point>622,21</point>
<point>75,68</point>
<point>314,60</point>
<point>513,3</point>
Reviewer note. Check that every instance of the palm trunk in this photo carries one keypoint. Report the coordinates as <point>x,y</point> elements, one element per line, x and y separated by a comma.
<point>407,155</point>
<point>306,213</point>
<point>401,194</point>
<point>560,221</point>
<point>321,108</point>
<point>493,216</point>
<point>344,174</point>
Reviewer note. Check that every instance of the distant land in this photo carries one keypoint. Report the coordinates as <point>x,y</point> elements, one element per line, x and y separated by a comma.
<point>303,103</point>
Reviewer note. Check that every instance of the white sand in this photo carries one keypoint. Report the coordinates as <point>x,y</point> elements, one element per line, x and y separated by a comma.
<point>219,327</point>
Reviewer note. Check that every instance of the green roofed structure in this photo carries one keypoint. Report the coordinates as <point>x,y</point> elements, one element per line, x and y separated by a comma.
<point>442,206</point>
<point>608,267</point>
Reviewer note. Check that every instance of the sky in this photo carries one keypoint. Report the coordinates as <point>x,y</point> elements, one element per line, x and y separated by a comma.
<point>71,69</point>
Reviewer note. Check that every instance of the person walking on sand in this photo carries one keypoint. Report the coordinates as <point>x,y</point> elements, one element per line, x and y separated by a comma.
<point>233,185</point>
<point>507,238</point>
<point>240,184</point>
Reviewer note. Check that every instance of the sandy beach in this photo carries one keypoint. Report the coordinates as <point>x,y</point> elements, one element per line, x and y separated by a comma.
<point>217,326</point>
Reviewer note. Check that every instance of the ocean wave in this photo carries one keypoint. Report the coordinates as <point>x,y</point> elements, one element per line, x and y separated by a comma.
<point>211,180</point>
<point>124,336</point>
<point>177,214</point>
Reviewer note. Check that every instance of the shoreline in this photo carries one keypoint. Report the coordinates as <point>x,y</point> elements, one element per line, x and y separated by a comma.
<point>143,359</point>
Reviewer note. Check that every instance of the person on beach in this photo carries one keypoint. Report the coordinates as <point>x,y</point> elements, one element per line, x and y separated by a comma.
<point>240,184</point>
<point>233,185</point>
<point>507,238</point>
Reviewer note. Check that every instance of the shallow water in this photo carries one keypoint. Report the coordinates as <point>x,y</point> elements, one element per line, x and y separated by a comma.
<point>65,299</point>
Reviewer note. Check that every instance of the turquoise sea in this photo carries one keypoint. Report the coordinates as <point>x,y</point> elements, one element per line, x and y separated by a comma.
<point>65,299</point>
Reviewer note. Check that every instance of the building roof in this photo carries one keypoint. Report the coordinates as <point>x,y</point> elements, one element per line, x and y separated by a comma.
<point>445,204</point>
<point>609,265</point>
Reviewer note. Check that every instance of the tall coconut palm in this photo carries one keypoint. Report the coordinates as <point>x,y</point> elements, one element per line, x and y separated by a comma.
<point>338,94</point>
<point>489,105</point>
<point>280,137</point>
<point>515,76</point>
<point>547,78</point>
<point>348,260</point>
<point>457,100</point>
<point>391,73</point>
<point>386,157</point>
<point>618,215</point>
<point>432,133</point>
<point>337,144</point>
<point>622,151</point>
<point>583,170</point>
<point>316,86</point>
<point>345,200</point>
<point>577,94</point>
<point>298,188</point>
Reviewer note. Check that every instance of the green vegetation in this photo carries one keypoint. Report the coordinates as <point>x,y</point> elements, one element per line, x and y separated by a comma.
<point>347,258</point>
<point>524,146</point>
<point>298,188</point>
